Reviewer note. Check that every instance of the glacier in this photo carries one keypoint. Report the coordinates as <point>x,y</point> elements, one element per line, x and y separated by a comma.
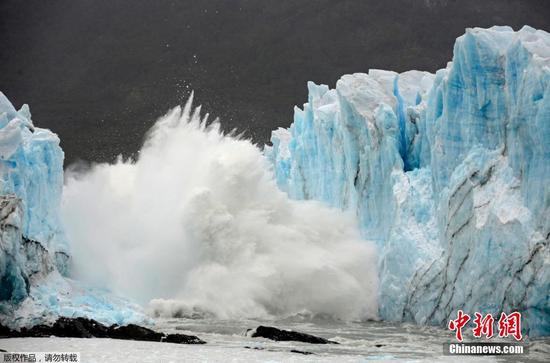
<point>31,182</point>
<point>35,263</point>
<point>448,173</point>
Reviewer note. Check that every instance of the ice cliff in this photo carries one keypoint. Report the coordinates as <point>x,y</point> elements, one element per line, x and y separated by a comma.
<point>34,255</point>
<point>31,181</point>
<point>449,174</point>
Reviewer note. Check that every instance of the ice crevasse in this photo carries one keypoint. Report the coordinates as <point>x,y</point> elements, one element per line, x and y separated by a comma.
<point>449,174</point>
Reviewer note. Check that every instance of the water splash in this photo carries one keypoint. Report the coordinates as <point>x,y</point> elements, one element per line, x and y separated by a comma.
<point>196,224</point>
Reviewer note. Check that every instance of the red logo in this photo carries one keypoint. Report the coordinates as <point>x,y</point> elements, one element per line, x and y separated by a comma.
<point>459,323</point>
<point>484,325</point>
<point>508,325</point>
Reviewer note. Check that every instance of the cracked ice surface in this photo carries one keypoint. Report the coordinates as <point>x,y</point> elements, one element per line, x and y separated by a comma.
<point>447,173</point>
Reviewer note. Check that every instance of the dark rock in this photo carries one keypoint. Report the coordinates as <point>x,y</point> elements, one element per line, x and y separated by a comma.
<point>272,333</point>
<point>6,332</point>
<point>88,328</point>
<point>68,328</point>
<point>135,332</point>
<point>37,331</point>
<point>301,352</point>
<point>255,348</point>
<point>183,339</point>
<point>79,328</point>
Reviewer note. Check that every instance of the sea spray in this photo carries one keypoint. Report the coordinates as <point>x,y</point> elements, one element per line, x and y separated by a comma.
<point>196,224</point>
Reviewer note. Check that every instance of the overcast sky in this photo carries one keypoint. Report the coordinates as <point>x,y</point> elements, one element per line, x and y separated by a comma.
<point>99,73</point>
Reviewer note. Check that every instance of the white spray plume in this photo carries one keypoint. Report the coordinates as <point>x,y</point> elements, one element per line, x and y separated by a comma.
<point>197,224</point>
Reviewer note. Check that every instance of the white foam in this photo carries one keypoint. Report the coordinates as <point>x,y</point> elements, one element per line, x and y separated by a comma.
<point>198,224</point>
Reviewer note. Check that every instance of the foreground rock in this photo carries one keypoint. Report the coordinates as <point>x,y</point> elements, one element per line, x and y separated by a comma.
<point>276,334</point>
<point>301,352</point>
<point>135,332</point>
<point>88,328</point>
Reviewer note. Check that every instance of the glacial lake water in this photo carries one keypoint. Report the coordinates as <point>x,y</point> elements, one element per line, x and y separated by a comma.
<point>227,341</point>
<point>361,341</point>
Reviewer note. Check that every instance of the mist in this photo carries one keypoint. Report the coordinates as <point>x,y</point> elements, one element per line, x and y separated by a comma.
<point>196,225</point>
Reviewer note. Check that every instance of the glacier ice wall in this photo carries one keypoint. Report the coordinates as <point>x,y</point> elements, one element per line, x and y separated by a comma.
<point>31,180</point>
<point>449,174</point>
<point>34,256</point>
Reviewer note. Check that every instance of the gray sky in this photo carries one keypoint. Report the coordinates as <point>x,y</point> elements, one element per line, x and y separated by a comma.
<point>100,72</point>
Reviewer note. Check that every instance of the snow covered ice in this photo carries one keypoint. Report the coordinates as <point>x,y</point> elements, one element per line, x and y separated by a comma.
<point>449,174</point>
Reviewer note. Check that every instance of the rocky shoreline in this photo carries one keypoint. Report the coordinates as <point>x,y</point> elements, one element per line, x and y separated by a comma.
<point>65,327</point>
<point>89,328</point>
